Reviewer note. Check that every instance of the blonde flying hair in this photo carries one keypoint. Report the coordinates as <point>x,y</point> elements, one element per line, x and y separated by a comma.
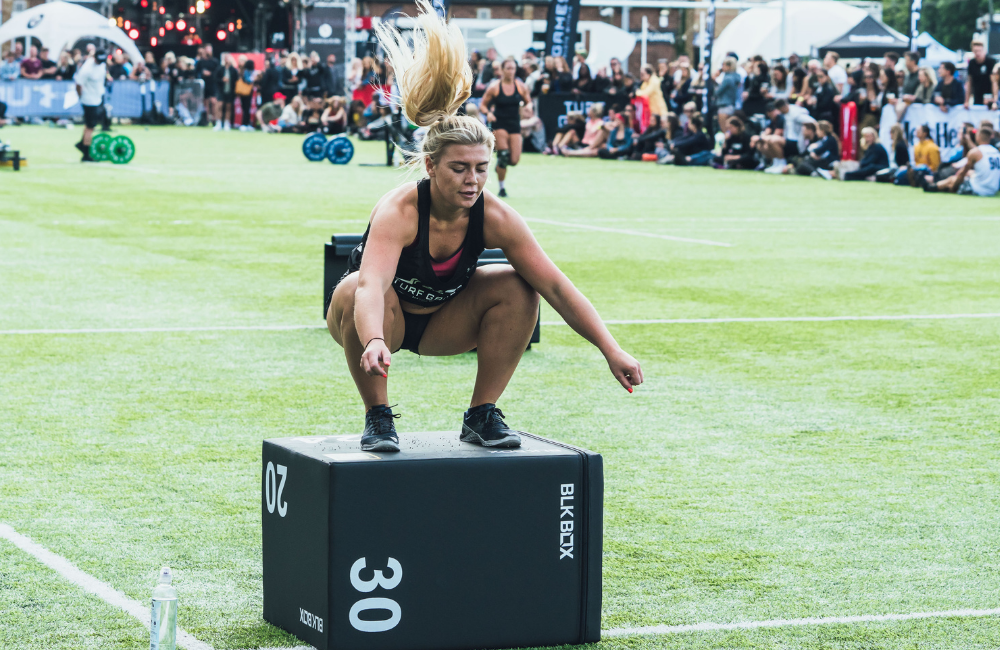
<point>434,81</point>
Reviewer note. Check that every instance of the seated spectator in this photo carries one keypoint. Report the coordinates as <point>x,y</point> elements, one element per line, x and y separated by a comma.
<point>334,117</point>
<point>979,176</point>
<point>291,116</point>
<point>656,134</point>
<point>727,84</point>
<point>619,143</point>
<point>269,114</point>
<point>807,136</point>
<point>49,66</point>
<point>820,155</point>
<point>926,152</point>
<point>770,144</point>
<point>571,133</point>
<point>988,124</point>
<point>691,147</point>
<point>737,153</point>
<point>10,69</point>
<point>949,91</point>
<point>532,130</point>
<point>925,91</point>
<point>900,148</point>
<point>31,65</point>
<point>876,158</point>
<point>595,134</point>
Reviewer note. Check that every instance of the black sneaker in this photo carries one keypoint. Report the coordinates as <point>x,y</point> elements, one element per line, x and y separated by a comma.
<point>380,431</point>
<point>82,147</point>
<point>502,193</point>
<point>484,425</point>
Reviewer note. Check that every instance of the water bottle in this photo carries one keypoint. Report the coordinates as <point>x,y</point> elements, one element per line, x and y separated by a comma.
<point>163,615</point>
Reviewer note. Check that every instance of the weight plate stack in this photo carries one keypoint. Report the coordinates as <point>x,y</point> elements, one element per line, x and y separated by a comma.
<point>339,150</point>
<point>100,147</point>
<point>121,150</point>
<point>314,147</point>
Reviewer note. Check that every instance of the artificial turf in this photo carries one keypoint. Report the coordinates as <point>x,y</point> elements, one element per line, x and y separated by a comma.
<point>765,470</point>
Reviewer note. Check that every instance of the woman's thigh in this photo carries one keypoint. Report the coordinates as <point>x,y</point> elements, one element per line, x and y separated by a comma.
<point>516,144</point>
<point>502,139</point>
<point>454,328</point>
<point>342,303</point>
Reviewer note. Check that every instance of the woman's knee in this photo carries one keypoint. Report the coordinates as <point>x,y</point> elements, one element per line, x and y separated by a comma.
<point>341,311</point>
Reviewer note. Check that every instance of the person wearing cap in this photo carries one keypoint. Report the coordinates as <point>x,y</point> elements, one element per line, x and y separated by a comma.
<point>270,112</point>
<point>89,80</point>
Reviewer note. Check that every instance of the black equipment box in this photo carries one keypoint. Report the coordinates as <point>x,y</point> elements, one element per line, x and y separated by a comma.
<point>335,266</point>
<point>443,544</point>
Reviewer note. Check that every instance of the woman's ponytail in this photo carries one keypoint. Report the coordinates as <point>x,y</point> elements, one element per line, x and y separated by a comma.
<point>434,77</point>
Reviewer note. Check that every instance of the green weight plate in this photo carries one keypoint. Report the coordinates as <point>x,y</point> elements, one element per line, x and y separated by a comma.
<point>100,146</point>
<point>121,150</point>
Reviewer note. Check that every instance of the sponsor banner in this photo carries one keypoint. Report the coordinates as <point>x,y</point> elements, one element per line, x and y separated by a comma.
<point>58,99</point>
<point>560,33</point>
<point>553,108</point>
<point>326,33</point>
<point>946,128</point>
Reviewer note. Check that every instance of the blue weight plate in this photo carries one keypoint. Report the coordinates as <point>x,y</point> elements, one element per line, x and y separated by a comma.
<point>339,150</point>
<point>314,147</point>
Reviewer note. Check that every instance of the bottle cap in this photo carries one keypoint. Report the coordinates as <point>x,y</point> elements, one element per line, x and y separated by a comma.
<point>165,576</point>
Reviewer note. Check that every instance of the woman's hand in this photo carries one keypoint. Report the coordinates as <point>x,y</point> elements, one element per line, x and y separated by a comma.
<point>625,369</point>
<point>376,358</point>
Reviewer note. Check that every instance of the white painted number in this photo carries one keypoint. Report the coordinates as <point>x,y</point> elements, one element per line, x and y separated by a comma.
<point>375,626</point>
<point>366,604</point>
<point>273,489</point>
<point>365,586</point>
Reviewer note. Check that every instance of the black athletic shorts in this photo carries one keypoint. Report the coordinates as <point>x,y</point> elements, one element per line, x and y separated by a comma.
<point>92,115</point>
<point>414,325</point>
<point>791,149</point>
<point>510,126</point>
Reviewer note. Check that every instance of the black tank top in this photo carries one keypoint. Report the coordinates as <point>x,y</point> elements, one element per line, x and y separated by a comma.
<point>507,108</point>
<point>415,281</point>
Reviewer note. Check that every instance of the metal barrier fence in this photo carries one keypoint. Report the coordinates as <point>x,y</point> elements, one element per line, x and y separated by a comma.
<point>58,99</point>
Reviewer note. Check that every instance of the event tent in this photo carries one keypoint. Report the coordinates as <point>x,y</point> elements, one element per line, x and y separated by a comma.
<point>808,24</point>
<point>58,25</point>
<point>869,38</point>
<point>935,53</point>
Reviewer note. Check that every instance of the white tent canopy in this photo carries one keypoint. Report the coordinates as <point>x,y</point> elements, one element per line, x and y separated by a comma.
<point>606,41</point>
<point>59,25</point>
<point>808,24</point>
<point>936,53</point>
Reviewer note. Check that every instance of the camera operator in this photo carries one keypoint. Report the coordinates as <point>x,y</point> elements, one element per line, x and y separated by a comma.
<point>89,79</point>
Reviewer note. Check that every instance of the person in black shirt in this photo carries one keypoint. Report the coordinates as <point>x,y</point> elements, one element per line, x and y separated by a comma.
<point>876,158</point>
<point>823,102</point>
<point>152,69</point>
<point>737,152</point>
<point>314,75</point>
<point>49,67</point>
<point>269,81</point>
<point>754,97</point>
<point>693,141</point>
<point>584,83</point>
<point>948,92</point>
<point>820,155</point>
<point>66,68</point>
<point>979,82</point>
<point>205,68</point>
<point>117,69</point>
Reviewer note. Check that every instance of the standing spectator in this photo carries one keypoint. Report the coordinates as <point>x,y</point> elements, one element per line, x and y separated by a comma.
<point>948,91</point>
<point>269,81</point>
<point>888,89</point>
<point>89,82</point>
<point>979,176</point>
<point>244,91</point>
<point>911,83</point>
<point>562,80</point>
<point>650,89</point>
<point>580,62</point>
<point>876,158</point>
<point>666,78</point>
<point>18,51</point>
<point>314,76</point>
<point>152,69</point>
<point>799,88</point>
<point>49,66</point>
<point>333,77</point>
<point>11,69</point>
<point>66,68</point>
<point>823,101</point>
<point>206,68</point>
<point>836,73</point>
<point>726,89</point>
<point>865,96</point>
<point>979,83</point>
<point>781,84</point>
<point>583,82</point>
<point>681,93</point>
<point>168,68</point>
<point>737,153</point>
<point>928,82</point>
<point>757,86</point>
<point>118,69</point>
<point>290,76</point>
<point>31,65</point>
<point>228,76</point>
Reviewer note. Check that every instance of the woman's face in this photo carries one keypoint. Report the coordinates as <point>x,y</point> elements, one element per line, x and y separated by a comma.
<point>460,173</point>
<point>924,80</point>
<point>644,74</point>
<point>869,138</point>
<point>616,65</point>
<point>509,69</point>
<point>661,69</point>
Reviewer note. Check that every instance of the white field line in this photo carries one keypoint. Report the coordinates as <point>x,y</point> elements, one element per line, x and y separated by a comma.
<point>90,584</point>
<point>796,622</point>
<point>782,319</point>
<point>547,323</point>
<point>636,233</point>
<point>110,595</point>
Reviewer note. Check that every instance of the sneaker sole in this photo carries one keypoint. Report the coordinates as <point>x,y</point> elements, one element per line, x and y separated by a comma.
<point>468,435</point>
<point>380,445</point>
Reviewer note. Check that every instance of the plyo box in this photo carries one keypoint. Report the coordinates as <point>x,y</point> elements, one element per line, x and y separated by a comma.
<point>442,545</point>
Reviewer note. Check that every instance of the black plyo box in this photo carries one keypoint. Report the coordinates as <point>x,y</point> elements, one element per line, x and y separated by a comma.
<point>442,545</point>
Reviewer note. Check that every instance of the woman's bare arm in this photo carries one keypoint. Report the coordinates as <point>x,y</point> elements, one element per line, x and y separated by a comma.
<point>507,230</point>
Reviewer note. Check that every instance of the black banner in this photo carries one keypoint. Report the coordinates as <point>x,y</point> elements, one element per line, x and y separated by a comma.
<point>560,32</point>
<point>553,108</point>
<point>706,104</point>
<point>915,7</point>
<point>326,33</point>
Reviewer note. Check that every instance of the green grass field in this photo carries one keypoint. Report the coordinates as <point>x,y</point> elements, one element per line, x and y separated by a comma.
<point>765,470</point>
